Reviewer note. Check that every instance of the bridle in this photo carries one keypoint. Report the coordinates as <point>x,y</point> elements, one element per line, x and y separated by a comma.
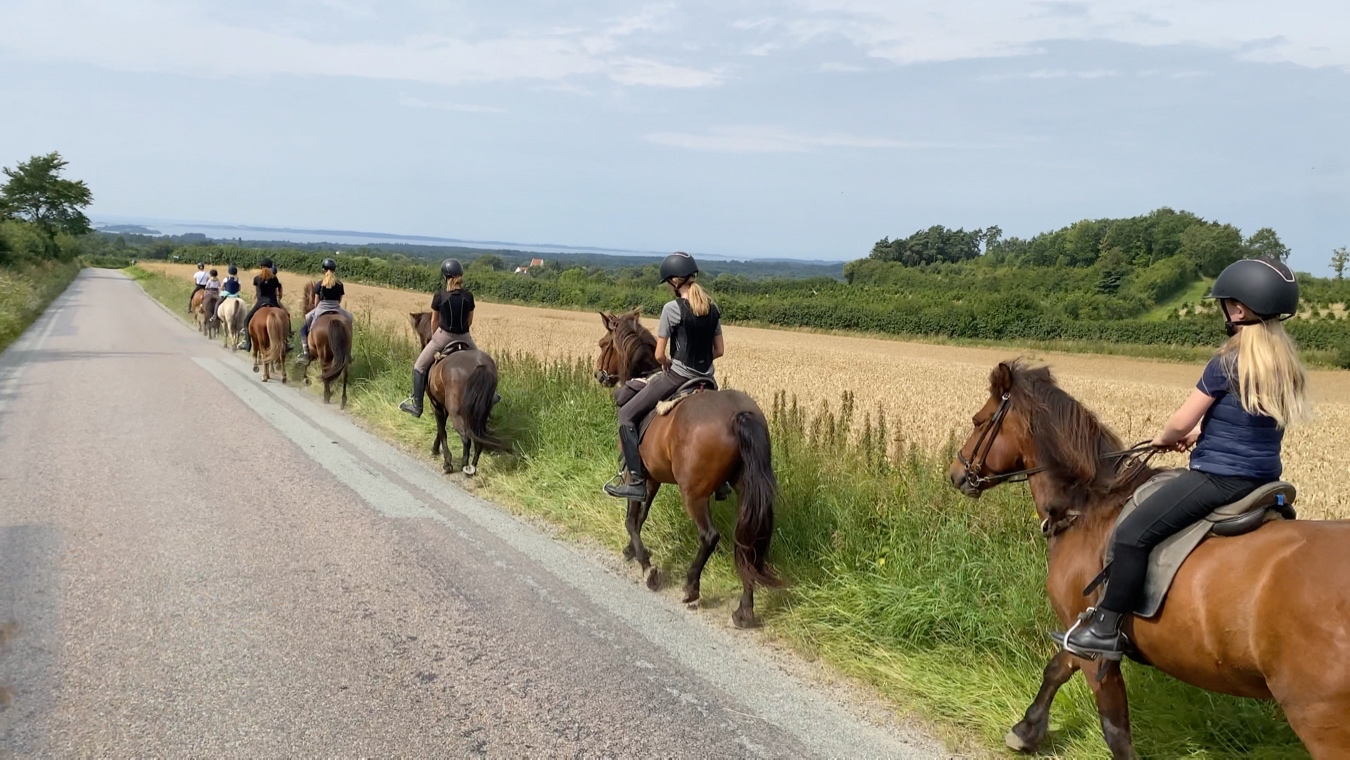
<point>976,480</point>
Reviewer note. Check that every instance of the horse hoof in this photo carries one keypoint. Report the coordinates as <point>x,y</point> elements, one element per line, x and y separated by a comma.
<point>628,552</point>
<point>690,596</point>
<point>1016,742</point>
<point>307,385</point>
<point>653,579</point>
<point>470,470</point>
<point>742,619</point>
<point>255,369</point>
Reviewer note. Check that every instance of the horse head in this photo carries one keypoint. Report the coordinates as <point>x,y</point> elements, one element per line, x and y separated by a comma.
<point>424,324</point>
<point>627,349</point>
<point>1029,425</point>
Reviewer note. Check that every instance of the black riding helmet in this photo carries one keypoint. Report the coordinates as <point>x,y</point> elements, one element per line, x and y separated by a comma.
<point>329,265</point>
<point>266,263</point>
<point>452,268</point>
<point>233,269</point>
<point>678,264</point>
<point>201,265</point>
<point>1265,286</point>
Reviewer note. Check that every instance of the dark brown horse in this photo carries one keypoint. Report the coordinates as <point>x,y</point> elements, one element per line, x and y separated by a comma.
<point>710,438</point>
<point>461,388</point>
<point>1263,615</point>
<point>309,297</point>
<point>267,330</point>
<point>330,342</point>
<point>210,322</point>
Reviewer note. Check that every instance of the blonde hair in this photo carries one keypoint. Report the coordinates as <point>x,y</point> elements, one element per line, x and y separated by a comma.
<point>1271,379</point>
<point>329,278</point>
<point>454,283</point>
<point>699,301</point>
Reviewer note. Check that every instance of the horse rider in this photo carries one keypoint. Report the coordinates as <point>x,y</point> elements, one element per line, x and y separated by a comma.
<point>267,291</point>
<point>1251,391</point>
<point>330,292</point>
<point>230,287</point>
<point>213,283</point>
<point>691,330</point>
<point>454,306</point>
<point>200,278</point>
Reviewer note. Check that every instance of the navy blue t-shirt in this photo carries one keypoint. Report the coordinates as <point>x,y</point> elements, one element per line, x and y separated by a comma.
<point>1233,441</point>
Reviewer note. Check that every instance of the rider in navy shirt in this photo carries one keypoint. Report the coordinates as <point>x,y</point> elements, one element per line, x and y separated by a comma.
<point>1249,393</point>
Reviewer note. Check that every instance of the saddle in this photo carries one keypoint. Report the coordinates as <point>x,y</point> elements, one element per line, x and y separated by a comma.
<point>686,389</point>
<point>450,348</point>
<point>1273,501</point>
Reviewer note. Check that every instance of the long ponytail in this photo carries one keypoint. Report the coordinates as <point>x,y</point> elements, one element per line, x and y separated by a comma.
<point>329,278</point>
<point>1271,379</point>
<point>454,283</point>
<point>699,301</point>
<point>265,273</point>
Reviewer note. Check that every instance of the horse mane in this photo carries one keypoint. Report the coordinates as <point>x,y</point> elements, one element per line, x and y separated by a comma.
<point>1069,438</point>
<point>636,345</point>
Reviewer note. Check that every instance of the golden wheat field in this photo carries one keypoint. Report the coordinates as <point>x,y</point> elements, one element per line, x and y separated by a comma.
<point>928,392</point>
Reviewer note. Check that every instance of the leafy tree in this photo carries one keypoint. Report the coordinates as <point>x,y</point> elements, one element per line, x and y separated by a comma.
<point>1339,258</point>
<point>36,193</point>
<point>1211,246</point>
<point>1264,242</point>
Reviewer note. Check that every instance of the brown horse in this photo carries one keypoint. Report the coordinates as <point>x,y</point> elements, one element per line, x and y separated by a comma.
<point>710,438</point>
<point>309,298</point>
<point>1262,615</point>
<point>267,331</point>
<point>461,387</point>
<point>195,308</point>
<point>330,341</point>
<point>208,323</point>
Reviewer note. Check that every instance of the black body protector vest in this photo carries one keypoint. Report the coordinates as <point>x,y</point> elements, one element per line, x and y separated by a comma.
<point>692,339</point>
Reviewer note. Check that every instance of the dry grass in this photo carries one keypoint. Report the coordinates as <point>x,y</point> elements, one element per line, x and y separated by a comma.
<point>928,392</point>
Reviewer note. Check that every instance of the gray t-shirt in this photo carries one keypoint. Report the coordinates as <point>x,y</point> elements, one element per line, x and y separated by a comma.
<point>670,317</point>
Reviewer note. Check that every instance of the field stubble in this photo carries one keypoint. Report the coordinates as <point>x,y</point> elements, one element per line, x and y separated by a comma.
<point>927,392</point>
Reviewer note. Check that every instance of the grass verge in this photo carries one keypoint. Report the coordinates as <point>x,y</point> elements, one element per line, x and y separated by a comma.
<point>26,291</point>
<point>933,599</point>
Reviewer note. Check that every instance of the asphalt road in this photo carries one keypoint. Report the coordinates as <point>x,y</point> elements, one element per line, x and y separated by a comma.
<point>348,601</point>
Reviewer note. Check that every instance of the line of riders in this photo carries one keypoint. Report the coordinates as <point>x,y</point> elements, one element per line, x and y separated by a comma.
<point>1233,424</point>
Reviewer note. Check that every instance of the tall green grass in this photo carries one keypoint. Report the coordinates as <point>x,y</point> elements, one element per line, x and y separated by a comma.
<point>25,292</point>
<point>934,599</point>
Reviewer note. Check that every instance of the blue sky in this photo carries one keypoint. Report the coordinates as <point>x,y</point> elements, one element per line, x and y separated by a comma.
<point>804,128</point>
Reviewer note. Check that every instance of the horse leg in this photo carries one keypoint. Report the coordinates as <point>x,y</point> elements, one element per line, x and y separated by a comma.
<point>345,370</point>
<point>1108,686</point>
<point>1321,724</point>
<point>1027,735</point>
<point>701,513</point>
<point>468,447</point>
<point>637,513</point>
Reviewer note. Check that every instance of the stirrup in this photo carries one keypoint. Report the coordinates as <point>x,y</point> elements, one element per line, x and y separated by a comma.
<point>410,407</point>
<point>1062,638</point>
<point>617,485</point>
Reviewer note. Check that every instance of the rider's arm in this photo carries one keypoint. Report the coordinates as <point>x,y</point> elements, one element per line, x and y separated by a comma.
<point>719,347</point>
<point>661,352</point>
<point>1184,426</point>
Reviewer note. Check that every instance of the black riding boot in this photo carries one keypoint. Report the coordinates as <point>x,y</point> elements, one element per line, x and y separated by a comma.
<point>634,486</point>
<point>1097,632</point>
<point>413,405</point>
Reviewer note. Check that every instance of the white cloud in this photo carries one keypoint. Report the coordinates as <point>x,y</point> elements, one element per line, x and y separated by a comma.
<point>1305,33</point>
<point>1053,74</point>
<point>408,101</point>
<point>762,139</point>
<point>174,37</point>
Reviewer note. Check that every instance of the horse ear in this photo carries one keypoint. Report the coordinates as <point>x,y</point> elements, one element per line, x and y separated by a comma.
<point>1001,379</point>
<point>636,313</point>
<point>607,320</point>
<point>412,318</point>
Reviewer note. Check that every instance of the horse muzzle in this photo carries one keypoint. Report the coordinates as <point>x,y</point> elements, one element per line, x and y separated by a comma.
<point>606,379</point>
<point>964,481</point>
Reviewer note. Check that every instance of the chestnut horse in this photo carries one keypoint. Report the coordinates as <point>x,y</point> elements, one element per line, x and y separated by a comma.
<point>330,341</point>
<point>267,330</point>
<point>710,438</point>
<point>461,387</point>
<point>1263,615</point>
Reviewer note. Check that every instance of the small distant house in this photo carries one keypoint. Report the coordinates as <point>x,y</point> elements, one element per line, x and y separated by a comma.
<point>536,262</point>
<point>522,270</point>
<point>533,263</point>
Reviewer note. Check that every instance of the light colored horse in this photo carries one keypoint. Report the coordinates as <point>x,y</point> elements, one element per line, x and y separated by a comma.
<point>231,314</point>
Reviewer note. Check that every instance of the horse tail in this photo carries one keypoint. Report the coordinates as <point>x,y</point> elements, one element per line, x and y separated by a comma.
<point>276,338</point>
<point>755,494</point>
<point>477,406</point>
<point>340,345</point>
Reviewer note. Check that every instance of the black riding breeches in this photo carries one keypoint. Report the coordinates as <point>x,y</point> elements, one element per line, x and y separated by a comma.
<point>1176,505</point>
<point>658,389</point>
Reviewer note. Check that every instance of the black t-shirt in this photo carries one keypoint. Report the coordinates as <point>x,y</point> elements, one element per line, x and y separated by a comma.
<point>334,293</point>
<point>268,289</point>
<point>454,306</point>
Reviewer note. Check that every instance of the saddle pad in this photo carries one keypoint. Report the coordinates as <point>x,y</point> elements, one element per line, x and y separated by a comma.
<point>1165,560</point>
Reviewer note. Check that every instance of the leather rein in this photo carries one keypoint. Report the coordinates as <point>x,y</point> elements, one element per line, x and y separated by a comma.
<point>976,479</point>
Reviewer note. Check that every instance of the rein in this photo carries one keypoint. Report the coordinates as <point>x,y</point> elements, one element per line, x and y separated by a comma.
<point>1137,455</point>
